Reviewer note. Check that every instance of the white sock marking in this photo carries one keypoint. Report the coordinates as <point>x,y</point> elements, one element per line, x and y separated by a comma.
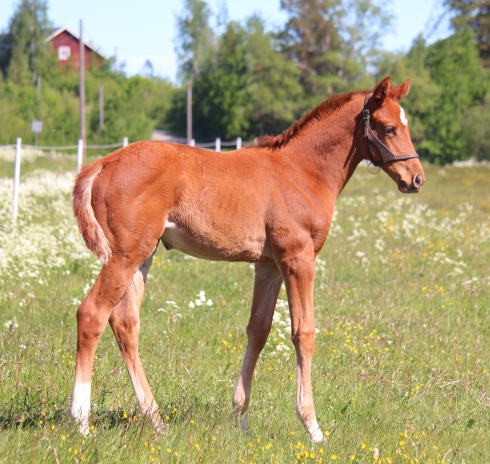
<point>80,405</point>
<point>315,433</point>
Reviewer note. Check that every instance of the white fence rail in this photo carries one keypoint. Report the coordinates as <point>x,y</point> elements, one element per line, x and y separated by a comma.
<point>217,145</point>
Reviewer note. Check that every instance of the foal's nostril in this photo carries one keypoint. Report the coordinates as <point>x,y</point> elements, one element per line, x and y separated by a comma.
<point>417,181</point>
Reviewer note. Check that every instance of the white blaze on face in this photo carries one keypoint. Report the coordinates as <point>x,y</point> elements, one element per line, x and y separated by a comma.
<point>403,118</point>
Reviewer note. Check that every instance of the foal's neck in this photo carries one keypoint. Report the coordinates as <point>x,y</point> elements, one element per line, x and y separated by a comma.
<point>331,149</point>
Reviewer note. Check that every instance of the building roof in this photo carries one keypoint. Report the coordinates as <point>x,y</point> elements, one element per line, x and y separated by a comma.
<point>60,30</point>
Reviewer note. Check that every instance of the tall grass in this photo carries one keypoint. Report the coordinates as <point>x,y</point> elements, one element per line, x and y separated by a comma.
<point>402,363</point>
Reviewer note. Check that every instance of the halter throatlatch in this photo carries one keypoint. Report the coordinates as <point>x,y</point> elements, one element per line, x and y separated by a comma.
<point>386,154</point>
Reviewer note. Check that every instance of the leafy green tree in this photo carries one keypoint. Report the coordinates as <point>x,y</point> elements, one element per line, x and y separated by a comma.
<point>475,129</point>
<point>455,67</point>
<point>221,89</point>
<point>28,51</point>
<point>134,107</point>
<point>424,93</point>
<point>274,95</point>
<point>362,24</point>
<point>311,39</point>
<point>474,14</point>
<point>195,38</point>
<point>246,88</point>
<point>334,43</point>
<point>447,98</point>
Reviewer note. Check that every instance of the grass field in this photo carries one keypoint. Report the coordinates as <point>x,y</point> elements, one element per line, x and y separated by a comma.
<point>402,363</point>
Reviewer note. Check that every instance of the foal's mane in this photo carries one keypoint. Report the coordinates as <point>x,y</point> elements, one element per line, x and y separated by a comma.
<point>321,111</point>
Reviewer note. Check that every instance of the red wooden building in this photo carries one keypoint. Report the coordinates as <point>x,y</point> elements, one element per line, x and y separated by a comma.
<point>66,45</point>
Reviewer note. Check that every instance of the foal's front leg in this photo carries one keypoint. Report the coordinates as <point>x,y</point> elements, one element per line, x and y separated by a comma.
<point>299,274</point>
<point>267,285</point>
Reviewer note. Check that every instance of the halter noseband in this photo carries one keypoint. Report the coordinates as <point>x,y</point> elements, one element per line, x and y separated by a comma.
<point>386,154</point>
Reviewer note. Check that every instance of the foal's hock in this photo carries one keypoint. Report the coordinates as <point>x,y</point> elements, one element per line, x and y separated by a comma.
<point>270,204</point>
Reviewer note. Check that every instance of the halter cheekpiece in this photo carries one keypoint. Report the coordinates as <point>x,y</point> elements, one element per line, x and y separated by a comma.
<point>386,154</point>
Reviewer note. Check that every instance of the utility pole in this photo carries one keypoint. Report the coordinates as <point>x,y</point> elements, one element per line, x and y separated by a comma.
<point>83,134</point>
<point>101,110</point>
<point>189,111</point>
<point>38,85</point>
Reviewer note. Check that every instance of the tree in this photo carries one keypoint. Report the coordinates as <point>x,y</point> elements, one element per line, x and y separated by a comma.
<point>424,94</point>
<point>474,14</point>
<point>449,86</point>
<point>28,30</point>
<point>274,95</point>
<point>455,67</point>
<point>220,89</point>
<point>333,42</point>
<point>476,129</point>
<point>361,26</point>
<point>311,39</point>
<point>194,40</point>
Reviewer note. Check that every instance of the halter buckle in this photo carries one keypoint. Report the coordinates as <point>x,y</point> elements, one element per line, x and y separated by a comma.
<point>365,114</point>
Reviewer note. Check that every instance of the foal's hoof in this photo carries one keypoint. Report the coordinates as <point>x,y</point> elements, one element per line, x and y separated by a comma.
<point>317,436</point>
<point>244,425</point>
<point>83,428</point>
<point>82,424</point>
<point>160,429</point>
<point>241,421</point>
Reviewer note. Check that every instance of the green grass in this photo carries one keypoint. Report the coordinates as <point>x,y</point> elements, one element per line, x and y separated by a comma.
<point>402,362</point>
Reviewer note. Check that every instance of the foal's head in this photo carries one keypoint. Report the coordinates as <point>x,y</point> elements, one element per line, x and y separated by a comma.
<point>390,127</point>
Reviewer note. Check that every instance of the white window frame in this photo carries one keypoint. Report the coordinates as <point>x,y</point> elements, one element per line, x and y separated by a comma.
<point>64,52</point>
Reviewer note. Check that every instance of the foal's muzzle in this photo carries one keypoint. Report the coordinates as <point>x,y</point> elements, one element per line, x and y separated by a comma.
<point>416,184</point>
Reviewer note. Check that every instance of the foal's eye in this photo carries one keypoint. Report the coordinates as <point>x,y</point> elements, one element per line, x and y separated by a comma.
<point>390,130</point>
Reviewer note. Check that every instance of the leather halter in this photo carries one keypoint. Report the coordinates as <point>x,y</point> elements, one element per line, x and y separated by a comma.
<point>386,154</point>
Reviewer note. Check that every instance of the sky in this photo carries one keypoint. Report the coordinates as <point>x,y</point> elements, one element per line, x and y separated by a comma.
<point>146,30</point>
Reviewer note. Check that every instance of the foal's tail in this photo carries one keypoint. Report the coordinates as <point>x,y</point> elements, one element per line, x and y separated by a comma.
<point>92,233</point>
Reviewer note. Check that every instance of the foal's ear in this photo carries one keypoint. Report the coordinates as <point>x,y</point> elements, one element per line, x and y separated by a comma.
<point>399,91</point>
<point>382,90</point>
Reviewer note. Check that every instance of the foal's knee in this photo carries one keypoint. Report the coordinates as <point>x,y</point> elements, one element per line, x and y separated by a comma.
<point>304,340</point>
<point>90,322</point>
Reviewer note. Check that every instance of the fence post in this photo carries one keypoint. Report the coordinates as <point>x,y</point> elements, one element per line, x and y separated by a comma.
<point>192,142</point>
<point>15,202</point>
<point>218,144</point>
<point>125,142</point>
<point>79,155</point>
<point>238,143</point>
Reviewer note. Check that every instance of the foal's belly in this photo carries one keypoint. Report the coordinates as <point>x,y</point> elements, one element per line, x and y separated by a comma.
<point>213,244</point>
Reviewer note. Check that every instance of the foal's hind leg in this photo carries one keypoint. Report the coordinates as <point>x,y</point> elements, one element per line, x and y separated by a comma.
<point>92,317</point>
<point>125,324</point>
<point>267,284</point>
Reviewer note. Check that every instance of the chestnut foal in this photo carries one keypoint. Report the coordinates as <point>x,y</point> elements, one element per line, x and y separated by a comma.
<point>270,204</point>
